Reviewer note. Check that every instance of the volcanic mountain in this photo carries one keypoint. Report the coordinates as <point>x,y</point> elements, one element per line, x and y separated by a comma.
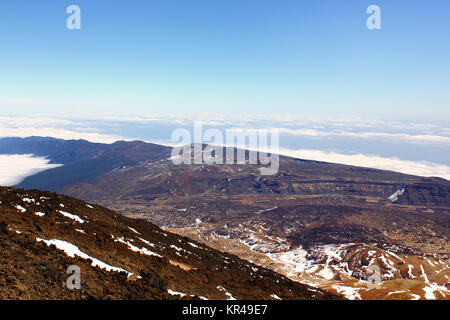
<point>333,226</point>
<point>43,235</point>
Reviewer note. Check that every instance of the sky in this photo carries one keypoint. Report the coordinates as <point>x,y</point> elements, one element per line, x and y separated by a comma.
<point>189,57</point>
<point>140,69</point>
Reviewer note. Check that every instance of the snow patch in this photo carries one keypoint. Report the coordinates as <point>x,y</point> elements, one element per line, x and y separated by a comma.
<point>136,249</point>
<point>175,293</point>
<point>72,216</point>
<point>72,251</point>
<point>21,209</point>
<point>394,197</point>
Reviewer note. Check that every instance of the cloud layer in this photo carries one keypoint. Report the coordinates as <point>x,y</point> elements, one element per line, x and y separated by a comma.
<point>15,168</point>
<point>419,168</point>
<point>412,148</point>
<point>56,128</point>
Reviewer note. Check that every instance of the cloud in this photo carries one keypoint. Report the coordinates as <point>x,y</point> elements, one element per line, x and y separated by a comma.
<point>66,134</point>
<point>427,138</point>
<point>393,137</point>
<point>419,168</point>
<point>15,168</point>
<point>52,127</point>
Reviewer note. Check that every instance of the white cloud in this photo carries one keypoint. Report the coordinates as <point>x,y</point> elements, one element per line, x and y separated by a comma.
<point>393,137</point>
<point>425,135</point>
<point>419,168</point>
<point>15,168</point>
<point>52,127</point>
<point>23,132</point>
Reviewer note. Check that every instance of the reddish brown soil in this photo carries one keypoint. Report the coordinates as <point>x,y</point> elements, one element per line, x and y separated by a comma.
<point>30,269</point>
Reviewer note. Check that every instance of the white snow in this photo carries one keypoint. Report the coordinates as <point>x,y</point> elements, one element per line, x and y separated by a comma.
<point>266,210</point>
<point>432,287</point>
<point>71,216</point>
<point>326,273</point>
<point>134,230</point>
<point>72,251</point>
<point>395,292</point>
<point>394,197</point>
<point>136,249</point>
<point>193,245</point>
<point>21,209</point>
<point>174,293</point>
<point>424,274</point>
<point>393,254</point>
<point>147,242</point>
<point>176,248</point>
<point>294,261</point>
<point>410,267</point>
<point>275,297</point>
<point>40,214</point>
<point>229,295</point>
<point>430,262</point>
<point>349,292</point>
<point>389,265</point>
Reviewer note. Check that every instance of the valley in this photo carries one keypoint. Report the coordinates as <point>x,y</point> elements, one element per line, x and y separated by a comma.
<point>359,232</point>
<point>44,234</point>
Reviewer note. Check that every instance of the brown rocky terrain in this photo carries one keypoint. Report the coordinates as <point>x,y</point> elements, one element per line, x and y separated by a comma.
<point>42,234</point>
<point>327,224</point>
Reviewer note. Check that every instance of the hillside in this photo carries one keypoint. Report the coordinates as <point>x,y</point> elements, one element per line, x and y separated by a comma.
<point>42,234</point>
<point>324,224</point>
<point>82,160</point>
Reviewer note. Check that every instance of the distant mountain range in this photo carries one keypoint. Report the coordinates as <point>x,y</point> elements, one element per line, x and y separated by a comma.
<point>324,224</point>
<point>82,160</point>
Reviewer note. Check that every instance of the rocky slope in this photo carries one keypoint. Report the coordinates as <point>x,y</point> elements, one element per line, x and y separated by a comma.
<point>328,224</point>
<point>82,160</point>
<point>42,234</point>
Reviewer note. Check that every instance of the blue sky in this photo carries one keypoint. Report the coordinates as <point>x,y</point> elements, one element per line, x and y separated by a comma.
<point>236,56</point>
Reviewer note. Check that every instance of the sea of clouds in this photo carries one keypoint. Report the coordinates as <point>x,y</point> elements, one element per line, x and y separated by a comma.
<point>15,168</point>
<point>407,147</point>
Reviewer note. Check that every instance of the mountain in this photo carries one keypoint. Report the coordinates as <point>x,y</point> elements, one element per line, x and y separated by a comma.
<point>82,160</point>
<point>332,226</point>
<point>42,234</point>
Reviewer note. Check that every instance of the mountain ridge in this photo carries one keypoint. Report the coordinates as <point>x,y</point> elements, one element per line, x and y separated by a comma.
<point>320,223</point>
<point>42,234</point>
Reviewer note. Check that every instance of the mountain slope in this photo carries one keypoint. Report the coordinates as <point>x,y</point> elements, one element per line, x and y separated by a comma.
<point>324,223</point>
<point>82,160</point>
<point>42,234</point>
